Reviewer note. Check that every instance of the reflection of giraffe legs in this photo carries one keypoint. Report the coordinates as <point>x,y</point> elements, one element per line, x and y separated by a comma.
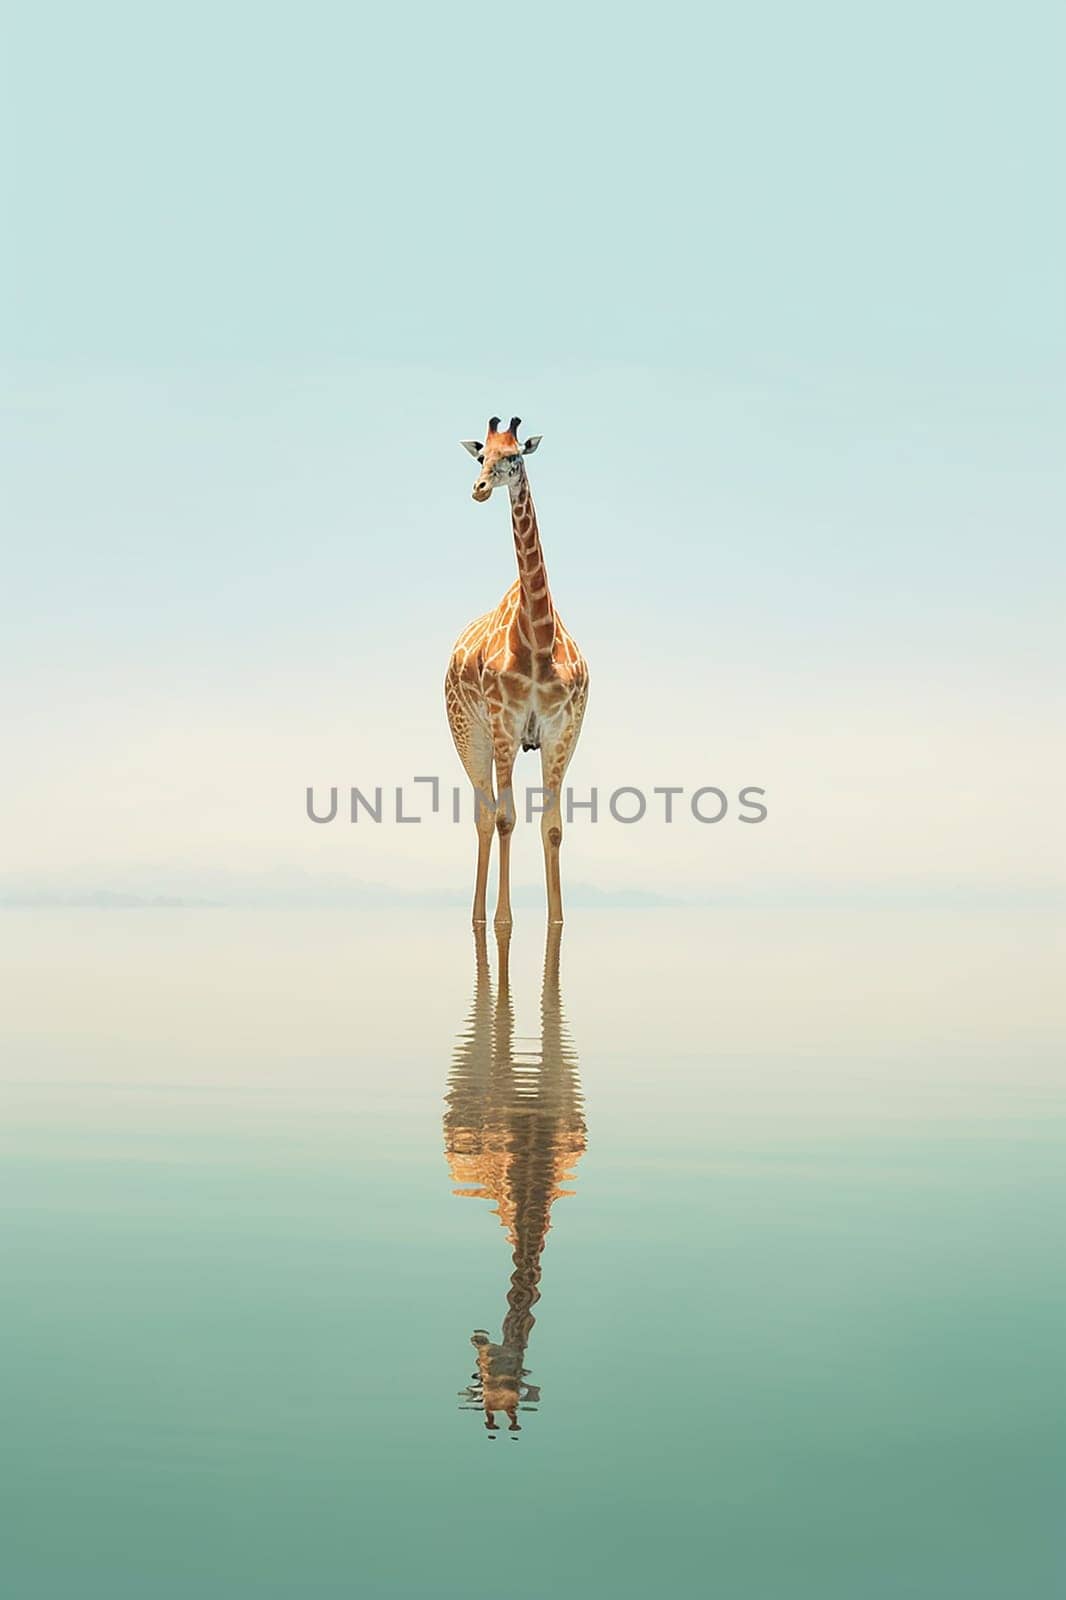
<point>553,1041</point>
<point>504,1013</point>
<point>514,1129</point>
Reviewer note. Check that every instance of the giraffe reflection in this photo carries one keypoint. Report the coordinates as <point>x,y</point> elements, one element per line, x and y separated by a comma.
<point>513,1132</point>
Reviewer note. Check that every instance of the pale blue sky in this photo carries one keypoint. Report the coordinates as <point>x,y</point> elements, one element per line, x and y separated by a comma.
<point>781,289</point>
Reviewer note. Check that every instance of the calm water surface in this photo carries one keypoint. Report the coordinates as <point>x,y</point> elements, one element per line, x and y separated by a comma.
<point>716,1252</point>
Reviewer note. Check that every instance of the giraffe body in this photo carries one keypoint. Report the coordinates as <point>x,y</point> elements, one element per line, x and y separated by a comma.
<point>516,680</point>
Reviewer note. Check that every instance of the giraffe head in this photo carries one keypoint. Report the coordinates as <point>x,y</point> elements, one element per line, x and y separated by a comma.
<point>500,456</point>
<point>498,1383</point>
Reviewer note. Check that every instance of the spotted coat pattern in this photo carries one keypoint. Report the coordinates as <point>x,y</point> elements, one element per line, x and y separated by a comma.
<point>516,680</point>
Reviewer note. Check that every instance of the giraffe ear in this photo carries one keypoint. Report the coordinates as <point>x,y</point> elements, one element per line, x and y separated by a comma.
<point>531,444</point>
<point>473,446</point>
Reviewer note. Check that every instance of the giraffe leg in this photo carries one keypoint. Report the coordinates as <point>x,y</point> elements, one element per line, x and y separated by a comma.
<point>554,760</point>
<point>485,824</point>
<point>473,741</point>
<point>505,821</point>
<point>477,759</point>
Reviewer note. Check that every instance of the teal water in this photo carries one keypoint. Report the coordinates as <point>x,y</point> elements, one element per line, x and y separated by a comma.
<point>793,1330</point>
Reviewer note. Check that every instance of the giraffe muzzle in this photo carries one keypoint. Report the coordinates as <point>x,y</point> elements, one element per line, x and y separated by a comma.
<point>482,490</point>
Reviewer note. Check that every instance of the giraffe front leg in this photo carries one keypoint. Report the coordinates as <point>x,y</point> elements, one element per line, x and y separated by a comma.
<point>473,740</point>
<point>477,759</point>
<point>486,824</point>
<point>505,821</point>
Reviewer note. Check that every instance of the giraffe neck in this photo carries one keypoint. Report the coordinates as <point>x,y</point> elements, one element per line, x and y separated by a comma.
<point>537,612</point>
<point>524,1292</point>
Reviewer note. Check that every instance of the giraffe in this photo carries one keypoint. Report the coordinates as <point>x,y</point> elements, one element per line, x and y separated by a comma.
<point>516,678</point>
<point>513,1136</point>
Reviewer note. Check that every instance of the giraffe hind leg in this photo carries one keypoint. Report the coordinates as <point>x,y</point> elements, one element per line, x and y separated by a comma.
<point>554,760</point>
